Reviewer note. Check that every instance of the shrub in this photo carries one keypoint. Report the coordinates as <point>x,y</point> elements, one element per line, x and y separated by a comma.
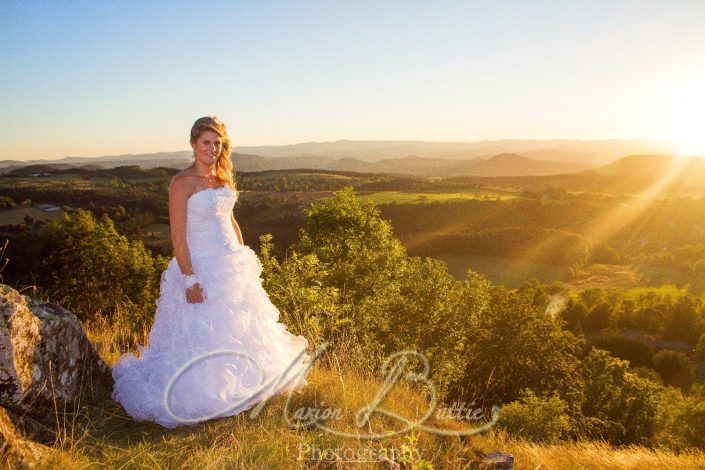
<point>535,418</point>
<point>680,422</point>
<point>648,373</point>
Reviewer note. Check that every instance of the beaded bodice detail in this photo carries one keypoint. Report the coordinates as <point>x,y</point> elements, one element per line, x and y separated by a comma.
<point>209,230</point>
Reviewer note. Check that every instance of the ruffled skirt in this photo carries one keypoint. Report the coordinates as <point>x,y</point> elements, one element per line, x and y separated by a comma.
<point>211,359</point>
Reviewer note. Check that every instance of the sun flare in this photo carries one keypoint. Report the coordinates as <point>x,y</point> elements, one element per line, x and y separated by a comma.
<point>684,117</point>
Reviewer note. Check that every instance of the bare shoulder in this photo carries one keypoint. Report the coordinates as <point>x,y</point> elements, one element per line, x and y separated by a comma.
<point>181,184</point>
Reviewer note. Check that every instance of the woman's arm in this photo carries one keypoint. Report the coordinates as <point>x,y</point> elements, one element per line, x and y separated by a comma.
<point>236,227</point>
<point>179,191</point>
<point>178,197</point>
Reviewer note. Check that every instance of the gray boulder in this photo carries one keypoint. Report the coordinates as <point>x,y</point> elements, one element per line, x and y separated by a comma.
<point>45,356</point>
<point>15,450</point>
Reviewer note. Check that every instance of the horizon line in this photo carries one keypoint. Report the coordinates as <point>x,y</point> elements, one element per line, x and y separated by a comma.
<point>614,139</point>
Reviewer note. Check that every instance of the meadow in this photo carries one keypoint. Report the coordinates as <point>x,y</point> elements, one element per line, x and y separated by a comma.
<point>418,197</point>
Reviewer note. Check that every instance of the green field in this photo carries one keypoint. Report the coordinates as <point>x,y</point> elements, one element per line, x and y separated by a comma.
<point>156,235</point>
<point>507,271</point>
<point>422,197</point>
<point>666,289</point>
<point>16,215</point>
<point>295,177</point>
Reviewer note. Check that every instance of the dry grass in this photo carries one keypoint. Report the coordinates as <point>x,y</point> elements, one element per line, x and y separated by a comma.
<point>588,455</point>
<point>607,276</point>
<point>100,435</point>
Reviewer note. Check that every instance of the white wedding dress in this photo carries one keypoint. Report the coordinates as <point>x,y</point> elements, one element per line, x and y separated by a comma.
<point>219,357</point>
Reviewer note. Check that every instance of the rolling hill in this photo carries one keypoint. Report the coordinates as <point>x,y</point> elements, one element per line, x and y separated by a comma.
<point>687,169</point>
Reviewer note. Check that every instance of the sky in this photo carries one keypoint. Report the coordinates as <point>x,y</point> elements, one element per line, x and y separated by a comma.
<point>107,78</point>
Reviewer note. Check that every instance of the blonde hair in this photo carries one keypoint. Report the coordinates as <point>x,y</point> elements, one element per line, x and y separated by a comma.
<point>223,167</point>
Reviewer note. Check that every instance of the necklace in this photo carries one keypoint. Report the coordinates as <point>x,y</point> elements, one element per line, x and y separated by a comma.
<point>210,178</point>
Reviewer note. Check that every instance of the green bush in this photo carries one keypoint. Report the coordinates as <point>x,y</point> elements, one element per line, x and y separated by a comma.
<point>648,374</point>
<point>87,266</point>
<point>294,286</point>
<point>535,418</point>
<point>680,422</point>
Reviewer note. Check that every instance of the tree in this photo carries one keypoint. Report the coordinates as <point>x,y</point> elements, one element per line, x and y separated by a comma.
<point>574,314</point>
<point>599,317</point>
<point>618,405</point>
<point>652,318</point>
<point>632,350</point>
<point>680,422</point>
<point>88,266</point>
<point>602,253</point>
<point>431,315</point>
<point>362,257</point>
<point>700,348</point>
<point>517,345</point>
<point>675,368</point>
<point>295,286</point>
<point>683,321</point>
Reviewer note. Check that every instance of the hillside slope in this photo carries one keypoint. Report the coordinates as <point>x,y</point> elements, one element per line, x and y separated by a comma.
<point>102,435</point>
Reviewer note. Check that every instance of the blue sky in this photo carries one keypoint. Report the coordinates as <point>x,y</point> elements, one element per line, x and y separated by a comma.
<point>99,78</point>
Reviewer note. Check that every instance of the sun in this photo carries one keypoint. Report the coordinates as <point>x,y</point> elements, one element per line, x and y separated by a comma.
<point>684,117</point>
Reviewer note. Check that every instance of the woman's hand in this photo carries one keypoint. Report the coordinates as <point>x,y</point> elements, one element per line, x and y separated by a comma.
<point>194,294</point>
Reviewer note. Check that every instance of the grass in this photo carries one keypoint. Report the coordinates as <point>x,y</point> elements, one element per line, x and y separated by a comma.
<point>511,272</point>
<point>100,435</point>
<point>103,435</point>
<point>16,215</point>
<point>587,455</point>
<point>417,197</point>
<point>607,276</point>
<point>156,235</point>
<point>666,289</point>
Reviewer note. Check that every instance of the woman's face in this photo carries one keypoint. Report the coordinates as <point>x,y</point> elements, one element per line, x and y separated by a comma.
<point>207,147</point>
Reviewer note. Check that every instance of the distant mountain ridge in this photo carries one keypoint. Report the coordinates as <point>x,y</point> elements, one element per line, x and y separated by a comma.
<point>593,152</point>
<point>408,158</point>
<point>500,165</point>
<point>510,164</point>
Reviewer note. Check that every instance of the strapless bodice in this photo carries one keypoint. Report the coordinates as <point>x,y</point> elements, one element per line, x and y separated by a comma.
<point>209,230</point>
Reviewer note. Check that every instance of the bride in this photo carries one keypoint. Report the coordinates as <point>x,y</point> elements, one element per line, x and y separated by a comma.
<point>216,347</point>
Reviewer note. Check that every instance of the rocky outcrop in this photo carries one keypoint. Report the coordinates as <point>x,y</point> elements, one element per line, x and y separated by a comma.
<point>15,450</point>
<point>46,362</point>
<point>499,461</point>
